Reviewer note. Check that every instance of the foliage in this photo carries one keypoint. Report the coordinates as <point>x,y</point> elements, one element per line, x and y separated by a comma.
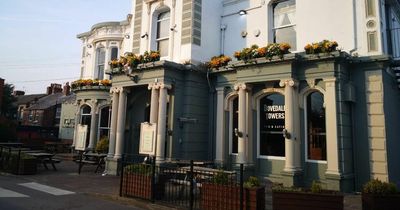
<point>102,145</point>
<point>269,51</point>
<point>252,182</point>
<point>281,188</point>
<point>220,178</point>
<point>7,100</point>
<point>90,82</point>
<point>316,187</point>
<point>132,60</point>
<point>378,187</point>
<point>143,169</point>
<point>324,46</point>
<point>218,61</point>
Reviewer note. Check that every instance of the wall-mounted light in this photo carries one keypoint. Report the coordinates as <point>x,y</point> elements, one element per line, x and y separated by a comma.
<point>89,46</point>
<point>242,12</point>
<point>127,36</point>
<point>145,35</point>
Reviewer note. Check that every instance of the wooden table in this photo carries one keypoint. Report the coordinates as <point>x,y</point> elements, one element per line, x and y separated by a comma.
<point>45,158</point>
<point>92,159</point>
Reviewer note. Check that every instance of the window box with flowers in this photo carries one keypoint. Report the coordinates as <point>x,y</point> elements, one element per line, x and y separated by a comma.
<point>218,61</point>
<point>271,51</point>
<point>131,61</point>
<point>88,84</point>
<point>324,46</point>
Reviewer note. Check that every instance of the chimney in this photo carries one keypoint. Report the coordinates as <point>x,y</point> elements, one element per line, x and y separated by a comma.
<point>54,88</point>
<point>66,89</point>
<point>18,93</point>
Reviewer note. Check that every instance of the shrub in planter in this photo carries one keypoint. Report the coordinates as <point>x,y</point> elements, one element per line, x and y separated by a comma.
<point>137,182</point>
<point>102,145</point>
<point>220,194</point>
<point>380,195</point>
<point>27,164</point>
<point>284,198</point>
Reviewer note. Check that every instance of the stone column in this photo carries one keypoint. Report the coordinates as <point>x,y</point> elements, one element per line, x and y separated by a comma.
<point>106,60</point>
<point>292,171</point>
<point>93,125</point>
<point>154,87</point>
<point>77,116</point>
<point>331,127</point>
<point>161,125</point>
<point>113,126</point>
<point>242,132</point>
<point>219,131</point>
<point>121,123</point>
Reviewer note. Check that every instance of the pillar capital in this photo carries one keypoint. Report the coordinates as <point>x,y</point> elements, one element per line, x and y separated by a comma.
<point>164,85</point>
<point>241,86</point>
<point>289,82</point>
<point>153,86</point>
<point>114,90</point>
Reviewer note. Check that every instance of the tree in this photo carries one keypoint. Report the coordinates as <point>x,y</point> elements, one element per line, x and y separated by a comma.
<point>7,102</point>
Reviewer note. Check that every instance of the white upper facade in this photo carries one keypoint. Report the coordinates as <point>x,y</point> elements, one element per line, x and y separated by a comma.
<point>196,30</point>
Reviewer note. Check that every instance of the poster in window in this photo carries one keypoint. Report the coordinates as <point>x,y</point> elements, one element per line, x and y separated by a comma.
<point>147,138</point>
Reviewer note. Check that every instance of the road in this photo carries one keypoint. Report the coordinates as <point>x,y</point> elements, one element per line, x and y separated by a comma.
<point>20,194</point>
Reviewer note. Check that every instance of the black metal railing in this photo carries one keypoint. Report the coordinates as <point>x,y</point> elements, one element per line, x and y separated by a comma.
<point>185,183</point>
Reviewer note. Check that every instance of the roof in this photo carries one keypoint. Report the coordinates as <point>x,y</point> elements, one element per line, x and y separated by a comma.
<point>24,99</point>
<point>47,101</point>
<point>69,99</point>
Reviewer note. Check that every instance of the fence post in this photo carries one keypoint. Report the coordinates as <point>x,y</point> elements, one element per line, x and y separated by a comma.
<point>122,175</point>
<point>241,186</point>
<point>191,178</point>
<point>18,159</point>
<point>153,179</point>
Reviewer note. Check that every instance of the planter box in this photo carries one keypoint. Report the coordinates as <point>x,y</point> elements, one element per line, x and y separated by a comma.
<point>139,185</point>
<point>26,167</point>
<point>215,196</point>
<point>379,202</point>
<point>306,201</point>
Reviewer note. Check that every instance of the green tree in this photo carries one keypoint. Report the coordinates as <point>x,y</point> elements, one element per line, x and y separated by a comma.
<point>7,102</point>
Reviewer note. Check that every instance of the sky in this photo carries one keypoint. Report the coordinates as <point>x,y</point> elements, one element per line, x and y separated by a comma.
<point>38,44</point>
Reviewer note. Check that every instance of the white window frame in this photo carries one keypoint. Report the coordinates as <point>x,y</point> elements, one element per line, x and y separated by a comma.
<point>262,94</point>
<point>109,121</point>
<point>84,114</point>
<point>98,50</point>
<point>158,39</point>
<point>273,28</point>
<point>304,96</point>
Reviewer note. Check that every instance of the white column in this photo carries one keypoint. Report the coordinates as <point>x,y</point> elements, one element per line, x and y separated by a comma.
<point>162,113</point>
<point>107,59</point>
<point>242,133</point>
<point>249,126</point>
<point>93,126</point>
<point>331,127</point>
<point>292,142</point>
<point>77,116</point>
<point>154,87</point>
<point>219,133</point>
<point>113,126</point>
<point>121,123</point>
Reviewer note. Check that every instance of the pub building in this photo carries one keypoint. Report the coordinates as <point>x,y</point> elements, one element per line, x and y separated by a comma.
<point>290,119</point>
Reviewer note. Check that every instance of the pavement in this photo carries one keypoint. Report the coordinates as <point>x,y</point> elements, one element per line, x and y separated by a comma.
<point>107,187</point>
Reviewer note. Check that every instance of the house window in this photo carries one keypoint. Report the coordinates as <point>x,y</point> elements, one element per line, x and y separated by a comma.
<point>85,115</point>
<point>234,119</point>
<point>114,53</point>
<point>316,130</point>
<point>284,26</point>
<point>271,124</point>
<point>104,124</point>
<point>163,29</point>
<point>100,61</point>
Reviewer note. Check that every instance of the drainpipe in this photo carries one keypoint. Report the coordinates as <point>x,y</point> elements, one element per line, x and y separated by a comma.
<point>354,28</point>
<point>223,28</point>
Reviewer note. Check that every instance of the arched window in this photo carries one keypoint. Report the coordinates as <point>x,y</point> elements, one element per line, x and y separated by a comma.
<point>100,61</point>
<point>271,124</point>
<point>85,115</point>
<point>284,25</point>
<point>316,130</point>
<point>162,36</point>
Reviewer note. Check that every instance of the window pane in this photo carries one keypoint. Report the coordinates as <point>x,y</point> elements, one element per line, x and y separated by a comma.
<point>235,117</point>
<point>162,46</point>
<point>163,29</point>
<point>104,117</point>
<point>287,35</point>
<point>272,122</point>
<point>101,56</point>
<point>114,53</point>
<point>100,71</point>
<point>284,13</point>
<point>86,110</point>
<point>316,145</point>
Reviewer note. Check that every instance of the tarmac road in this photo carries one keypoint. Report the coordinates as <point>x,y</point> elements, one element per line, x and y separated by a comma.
<point>21,194</point>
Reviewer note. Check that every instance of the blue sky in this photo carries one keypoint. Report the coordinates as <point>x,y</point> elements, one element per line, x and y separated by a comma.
<point>38,43</point>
